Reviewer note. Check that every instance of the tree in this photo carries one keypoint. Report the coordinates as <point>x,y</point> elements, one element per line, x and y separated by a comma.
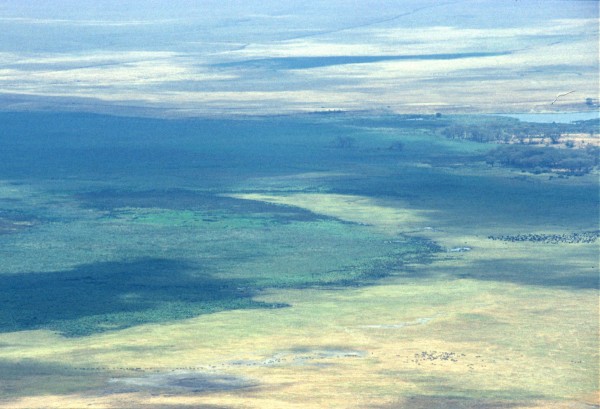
<point>554,137</point>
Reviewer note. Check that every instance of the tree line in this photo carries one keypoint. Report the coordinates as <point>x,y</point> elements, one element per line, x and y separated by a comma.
<point>571,162</point>
<point>514,131</point>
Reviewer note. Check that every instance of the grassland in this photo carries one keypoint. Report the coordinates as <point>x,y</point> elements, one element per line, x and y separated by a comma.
<point>258,264</point>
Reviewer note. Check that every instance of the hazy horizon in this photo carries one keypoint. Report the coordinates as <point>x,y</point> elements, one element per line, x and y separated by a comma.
<point>191,58</point>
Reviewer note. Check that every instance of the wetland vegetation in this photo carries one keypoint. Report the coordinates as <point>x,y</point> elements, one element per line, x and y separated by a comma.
<point>222,261</point>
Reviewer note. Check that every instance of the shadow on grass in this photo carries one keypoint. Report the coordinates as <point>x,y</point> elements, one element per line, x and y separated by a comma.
<point>180,406</point>
<point>184,199</point>
<point>450,402</point>
<point>30,378</point>
<point>519,271</point>
<point>485,202</point>
<point>103,296</point>
<point>34,378</point>
<point>182,382</point>
<point>299,63</point>
<point>115,295</point>
<point>536,272</point>
<point>447,393</point>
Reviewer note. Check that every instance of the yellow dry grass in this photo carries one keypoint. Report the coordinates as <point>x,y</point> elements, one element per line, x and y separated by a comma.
<point>392,217</point>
